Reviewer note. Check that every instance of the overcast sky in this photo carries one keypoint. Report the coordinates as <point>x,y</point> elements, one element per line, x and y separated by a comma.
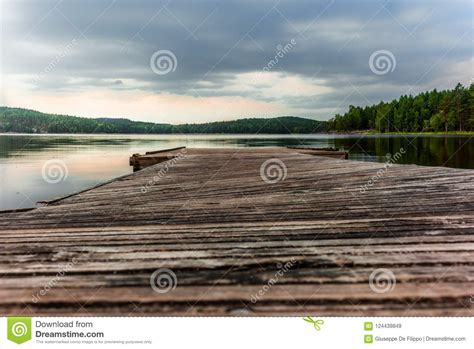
<point>195,61</point>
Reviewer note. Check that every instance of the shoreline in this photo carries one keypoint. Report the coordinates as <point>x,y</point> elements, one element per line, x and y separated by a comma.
<point>449,133</point>
<point>359,133</point>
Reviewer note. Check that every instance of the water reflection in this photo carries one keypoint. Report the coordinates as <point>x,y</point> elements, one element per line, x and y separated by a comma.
<point>92,159</point>
<point>423,150</point>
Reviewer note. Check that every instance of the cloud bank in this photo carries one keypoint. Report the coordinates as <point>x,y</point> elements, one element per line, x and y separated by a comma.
<point>228,59</point>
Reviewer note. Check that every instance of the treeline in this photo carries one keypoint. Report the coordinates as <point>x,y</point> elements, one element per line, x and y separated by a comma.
<point>433,111</point>
<point>279,125</point>
<point>30,121</point>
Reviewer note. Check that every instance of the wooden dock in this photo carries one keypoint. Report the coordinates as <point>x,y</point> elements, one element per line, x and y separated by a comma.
<point>314,237</point>
<point>141,161</point>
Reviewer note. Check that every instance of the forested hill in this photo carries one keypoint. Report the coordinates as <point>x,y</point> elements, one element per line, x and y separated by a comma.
<point>433,111</point>
<point>30,121</point>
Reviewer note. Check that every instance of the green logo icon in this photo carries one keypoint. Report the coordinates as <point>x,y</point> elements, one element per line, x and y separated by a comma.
<point>368,339</point>
<point>368,326</point>
<point>316,323</point>
<point>19,329</point>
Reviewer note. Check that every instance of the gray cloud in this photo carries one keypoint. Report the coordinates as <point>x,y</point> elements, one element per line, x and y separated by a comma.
<point>215,42</point>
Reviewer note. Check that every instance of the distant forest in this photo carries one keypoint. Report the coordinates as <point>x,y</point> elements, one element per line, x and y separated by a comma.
<point>433,111</point>
<point>30,121</point>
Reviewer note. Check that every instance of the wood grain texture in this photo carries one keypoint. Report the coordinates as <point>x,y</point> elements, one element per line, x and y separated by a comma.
<point>225,233</point>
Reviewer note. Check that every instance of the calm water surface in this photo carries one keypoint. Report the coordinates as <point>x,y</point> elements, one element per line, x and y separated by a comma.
<point>92,159</point>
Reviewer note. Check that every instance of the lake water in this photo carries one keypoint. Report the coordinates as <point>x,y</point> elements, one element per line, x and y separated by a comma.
<point>82,161</point>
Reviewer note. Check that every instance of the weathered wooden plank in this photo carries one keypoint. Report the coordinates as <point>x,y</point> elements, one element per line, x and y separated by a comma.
<point>452,298</point>
<point>260,276</point>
